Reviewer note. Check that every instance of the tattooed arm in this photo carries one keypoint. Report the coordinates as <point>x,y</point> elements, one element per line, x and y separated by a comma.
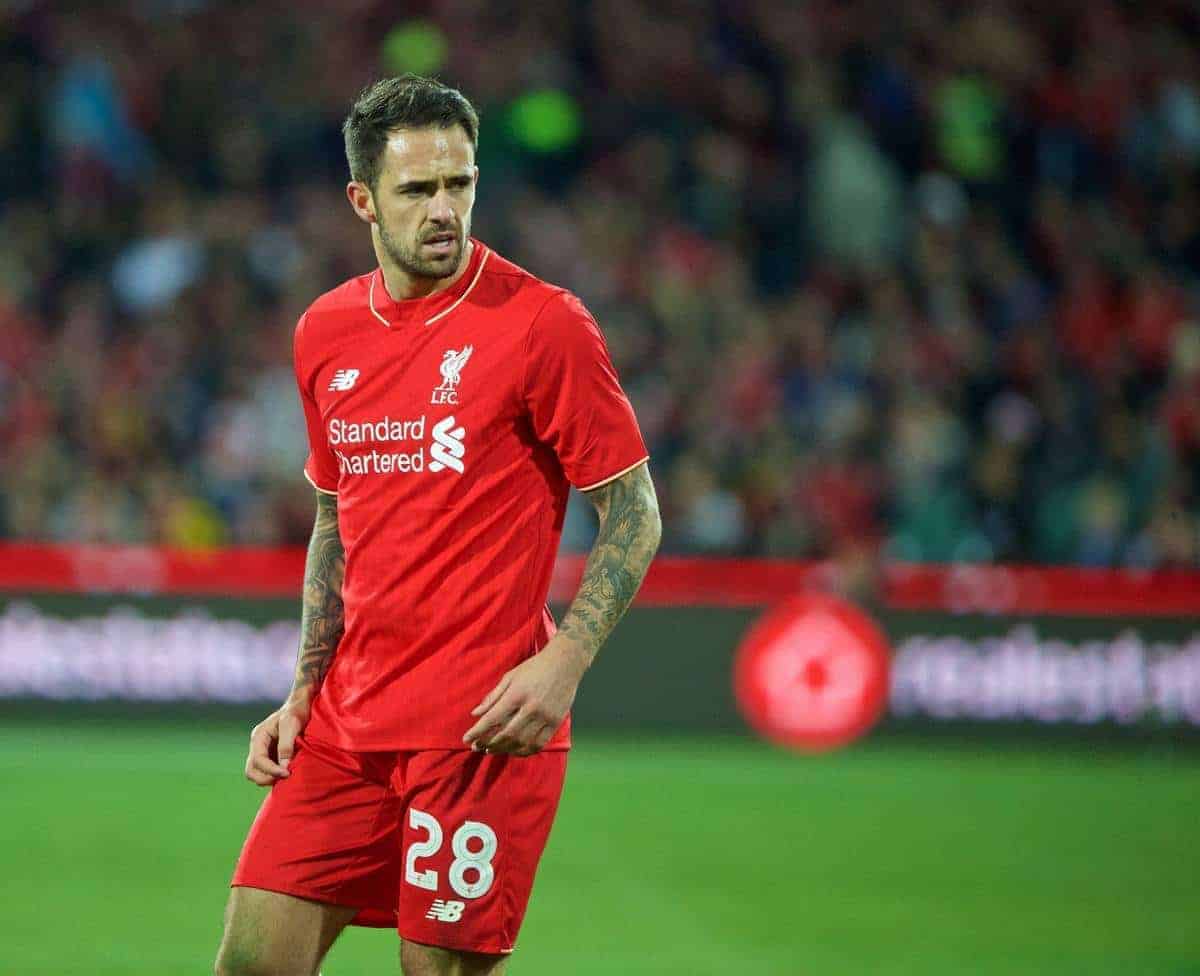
<point>524,710</point>
<point>630,530</point>
<point>322,621</point>
<point>322,618</point>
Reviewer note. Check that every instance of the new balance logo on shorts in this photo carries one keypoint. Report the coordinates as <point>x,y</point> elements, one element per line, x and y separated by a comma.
<point>445,911</point>
<point>343,379</point>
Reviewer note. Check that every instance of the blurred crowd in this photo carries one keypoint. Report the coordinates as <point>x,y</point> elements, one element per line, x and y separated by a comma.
<point>914,280</point>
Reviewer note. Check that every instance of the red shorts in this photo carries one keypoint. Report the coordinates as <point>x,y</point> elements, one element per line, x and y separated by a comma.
<point>442,844</point>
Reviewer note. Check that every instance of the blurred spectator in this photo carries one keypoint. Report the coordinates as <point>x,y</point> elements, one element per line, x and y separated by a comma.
<point>908,279</point>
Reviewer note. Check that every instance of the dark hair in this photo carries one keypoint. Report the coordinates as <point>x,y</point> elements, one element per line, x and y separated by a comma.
<point>407,102</point>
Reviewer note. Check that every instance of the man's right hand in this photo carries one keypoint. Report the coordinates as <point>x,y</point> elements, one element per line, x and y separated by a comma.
<point>273,743</point>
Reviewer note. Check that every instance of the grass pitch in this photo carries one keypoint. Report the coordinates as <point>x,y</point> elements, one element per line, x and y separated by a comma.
<point>680,857</point>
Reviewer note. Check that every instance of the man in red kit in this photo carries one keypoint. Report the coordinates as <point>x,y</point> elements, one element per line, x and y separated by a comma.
<point>451,398</point>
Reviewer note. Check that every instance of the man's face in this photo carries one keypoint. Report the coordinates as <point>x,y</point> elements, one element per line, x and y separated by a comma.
<point>423,199</point>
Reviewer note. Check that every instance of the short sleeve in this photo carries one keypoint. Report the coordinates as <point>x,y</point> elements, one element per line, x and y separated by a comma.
<point>574,399</point>
<point>321,467</point>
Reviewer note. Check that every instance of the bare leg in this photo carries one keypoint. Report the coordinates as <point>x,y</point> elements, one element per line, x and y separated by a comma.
<point>424,960</point>
<point>270,934</point>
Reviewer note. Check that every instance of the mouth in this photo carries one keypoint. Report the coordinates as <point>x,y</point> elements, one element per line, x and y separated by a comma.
<point>442,242</point>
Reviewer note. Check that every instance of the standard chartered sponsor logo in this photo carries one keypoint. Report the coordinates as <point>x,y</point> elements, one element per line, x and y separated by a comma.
<point>348,440</point>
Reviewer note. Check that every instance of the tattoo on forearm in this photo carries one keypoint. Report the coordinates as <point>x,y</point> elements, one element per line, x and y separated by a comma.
<point>322,619</point>
<point>629,534</point>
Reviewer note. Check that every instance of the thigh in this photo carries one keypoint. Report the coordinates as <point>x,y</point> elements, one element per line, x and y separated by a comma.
<point>329,833</point>
<point>423,960</point>
<point>475,826</point>
<point>268,932</point>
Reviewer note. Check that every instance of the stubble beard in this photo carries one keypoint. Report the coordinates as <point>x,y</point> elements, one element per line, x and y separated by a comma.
<point>409,259</point>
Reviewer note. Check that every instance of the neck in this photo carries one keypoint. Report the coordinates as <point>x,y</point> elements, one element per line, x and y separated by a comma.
<point>401,285</point>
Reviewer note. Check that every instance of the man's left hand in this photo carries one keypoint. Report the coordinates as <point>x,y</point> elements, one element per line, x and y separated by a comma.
<point>521,714</point>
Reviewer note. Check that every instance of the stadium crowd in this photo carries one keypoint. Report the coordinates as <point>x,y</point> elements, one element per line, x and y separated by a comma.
<point>918,279</point>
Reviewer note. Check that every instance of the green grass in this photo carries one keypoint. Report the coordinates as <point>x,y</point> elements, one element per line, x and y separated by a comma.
<point>673,858</point>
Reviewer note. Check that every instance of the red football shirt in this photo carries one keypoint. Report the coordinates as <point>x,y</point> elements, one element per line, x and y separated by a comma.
<point>449,428</point>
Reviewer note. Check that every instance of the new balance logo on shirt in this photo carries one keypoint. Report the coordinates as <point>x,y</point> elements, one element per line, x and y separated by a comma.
<point>343,379</point>
<point>445,911</point>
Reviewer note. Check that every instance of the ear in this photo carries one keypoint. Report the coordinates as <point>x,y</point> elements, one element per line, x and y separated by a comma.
<point>361,201</point>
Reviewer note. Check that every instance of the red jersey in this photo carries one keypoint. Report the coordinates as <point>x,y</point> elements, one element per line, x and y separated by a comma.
<point>449,427</point>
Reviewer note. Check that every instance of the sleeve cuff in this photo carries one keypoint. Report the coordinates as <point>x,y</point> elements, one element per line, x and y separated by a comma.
<point>323,491</point>
<point>613,477</point>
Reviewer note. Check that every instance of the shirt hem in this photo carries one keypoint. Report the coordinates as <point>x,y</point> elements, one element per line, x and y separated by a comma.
<point>350,746</point>
<point>409,745</point>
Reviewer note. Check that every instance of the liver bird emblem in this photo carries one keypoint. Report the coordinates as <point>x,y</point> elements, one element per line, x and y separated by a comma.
<point>451,366</point>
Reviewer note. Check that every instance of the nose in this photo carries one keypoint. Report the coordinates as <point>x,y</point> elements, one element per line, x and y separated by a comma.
<point>440,210</point>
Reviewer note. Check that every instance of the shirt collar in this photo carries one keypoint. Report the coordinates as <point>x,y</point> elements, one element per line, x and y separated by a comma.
<point>431,308</point>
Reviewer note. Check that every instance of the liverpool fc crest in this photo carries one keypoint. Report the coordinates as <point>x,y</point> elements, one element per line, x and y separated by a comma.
<point>453,361</point>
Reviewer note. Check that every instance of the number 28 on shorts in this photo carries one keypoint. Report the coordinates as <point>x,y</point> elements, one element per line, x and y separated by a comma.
<point>471,872</point>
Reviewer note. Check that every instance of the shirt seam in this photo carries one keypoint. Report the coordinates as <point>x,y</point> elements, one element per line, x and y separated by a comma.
<point>528,336</point>
<point>303,389</point>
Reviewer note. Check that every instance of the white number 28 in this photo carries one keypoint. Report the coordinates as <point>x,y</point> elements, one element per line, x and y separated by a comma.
<point>464,858</point>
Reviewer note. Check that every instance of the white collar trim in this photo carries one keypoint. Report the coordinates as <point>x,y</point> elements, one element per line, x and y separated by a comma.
<point>444,312</point>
